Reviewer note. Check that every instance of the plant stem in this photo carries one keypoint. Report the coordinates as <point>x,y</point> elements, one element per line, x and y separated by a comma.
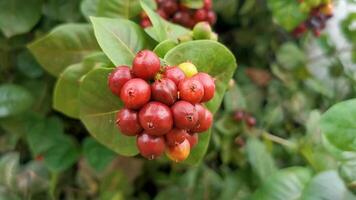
<point>279,140</point>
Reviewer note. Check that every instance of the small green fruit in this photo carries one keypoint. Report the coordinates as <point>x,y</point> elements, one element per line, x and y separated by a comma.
<point>202,31</point>
<point>185,38</point>
<point>188,68</point>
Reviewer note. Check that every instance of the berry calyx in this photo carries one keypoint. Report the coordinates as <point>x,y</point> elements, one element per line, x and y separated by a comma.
<point>135,93</point>
<point>180,152</point>
<point>191,90</point>
<point>118,77</point>
<point>156,118</point>
<point>165,91</point>
<point>127,122</point>
<point>150,146</point>
<point>185,115</point>
<point>174,73</point>
<point>146,65</point>
<point>202,31</point>
<point>205,119</point>
<point>208,84</point>
<point>188,68</point>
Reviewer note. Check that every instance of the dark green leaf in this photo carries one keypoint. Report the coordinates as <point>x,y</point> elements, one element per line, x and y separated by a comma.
<point>89,8</point>
<point>62,10</point>
<point>14,99</point>
<point>28,66</point>
<point>65,45</point>
<point>97,155</point>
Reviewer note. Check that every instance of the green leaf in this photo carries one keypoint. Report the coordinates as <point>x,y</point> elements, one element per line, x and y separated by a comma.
<point>66,92</point>
<point>14,99</point>
<point>162,48</point>
<point>326,186</point>
<point>227,125</point>
<point>96,154</point>
<point>9,167</point>
<point>161,29</point>
<point>89,8</point>
<point>347,28</point>
<point>215,59</point>
<point>98,108</point>
<point>286,184</point>
<point>120,39</point>
<point>290,56</point>
<point>65,45</point>
<point>347,170</point>
<point>195,4</point>
<point>234,99</point>
<point>338,125</point>
<point>287,13</point>
<point>260,159</point>
<point>28,65</point>
<point>119,8</point>
<point>17,17</point>
<point>62,10</point>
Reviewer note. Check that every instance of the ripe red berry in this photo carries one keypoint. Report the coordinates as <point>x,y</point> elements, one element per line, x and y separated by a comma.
<point>205,119</point>
<point>208,4</point>
<point>174,73</point>
<point>208,83</point>
<point>145,23</point>
<point>169,6</point>
<point>162,13</point>
<point>193,139</point>
<point>184,114</point>
<point>179,152</point>
<point>200,15</point>
<point>182,18</point>
<point>127,122</point>
<point>176,136</point>
<point>118,77</point>
<point>239,115</point>
<point>135,93</point>
<point>211,17</point>
<point>250,121</point>
<point>150,146</point>
<point>165,91</point>
<point>156,118</point>
<point>146,65</point>
<point>191,90</point>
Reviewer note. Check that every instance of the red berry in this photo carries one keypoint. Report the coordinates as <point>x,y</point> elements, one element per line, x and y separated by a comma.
<point>184,114</point>
<point>211,17</point>
<point>205,119</point>
<point>200,15</point>
<point>179,152</point>
<point>164,91</point>
<point>118,77</point>
<point>145,23</point>
<point>176,136</point>
<point>182,18</point>
<point>162,13</point>
<point>193,139</point>
<point>239,115</point>
<point>208,4</point>
<point>156,118</point>
<point>169,6</point>
<point>146,65</point>
<point>250,121</point>
<point>299,30</point>
<point>175,74</point>
<point>191,90</point>
<point>150,146</point>
<point>127,122</point>
<point>135,93</point>
<point>208,83</point>
<point>39,158</point>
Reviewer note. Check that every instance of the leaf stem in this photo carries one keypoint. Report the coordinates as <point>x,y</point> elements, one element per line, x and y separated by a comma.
<point>279,140</point>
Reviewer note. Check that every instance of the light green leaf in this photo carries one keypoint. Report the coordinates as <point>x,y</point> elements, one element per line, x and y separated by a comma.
<point>9,167</point>
<point>162,48</point>
<point>119,8</point>
<point>215,59</point>
<point>89,8</point>
<point>120,39</point>
<point>14,99</point>
<point>98,108</point>
<point>195,4</point>
<point>17,17</point>
<point>65,45</point>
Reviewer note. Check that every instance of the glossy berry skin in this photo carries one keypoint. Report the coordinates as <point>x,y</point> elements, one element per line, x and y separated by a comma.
<point>127,122</point>
<point>150,146</point>
<point>205,119</point>
<point>118,77</point>
<point>184,114</point>
<point>180,152</point>
<point>200,15</point>
<point>156,118</point>
<point>176,136</point>
<point>146,65</point>
<point>208,83</point>
<point>208,4</point>
<point>188,68</point>
<point>165,91</point>
<point>191,90</point>
<point>175,74</point>
<point>135,93</point>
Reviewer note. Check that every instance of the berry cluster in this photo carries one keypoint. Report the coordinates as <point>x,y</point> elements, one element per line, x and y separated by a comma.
<point>241,115</point>
<point>163,105</point>
<point>316,21</point>
<point>177,12</point>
